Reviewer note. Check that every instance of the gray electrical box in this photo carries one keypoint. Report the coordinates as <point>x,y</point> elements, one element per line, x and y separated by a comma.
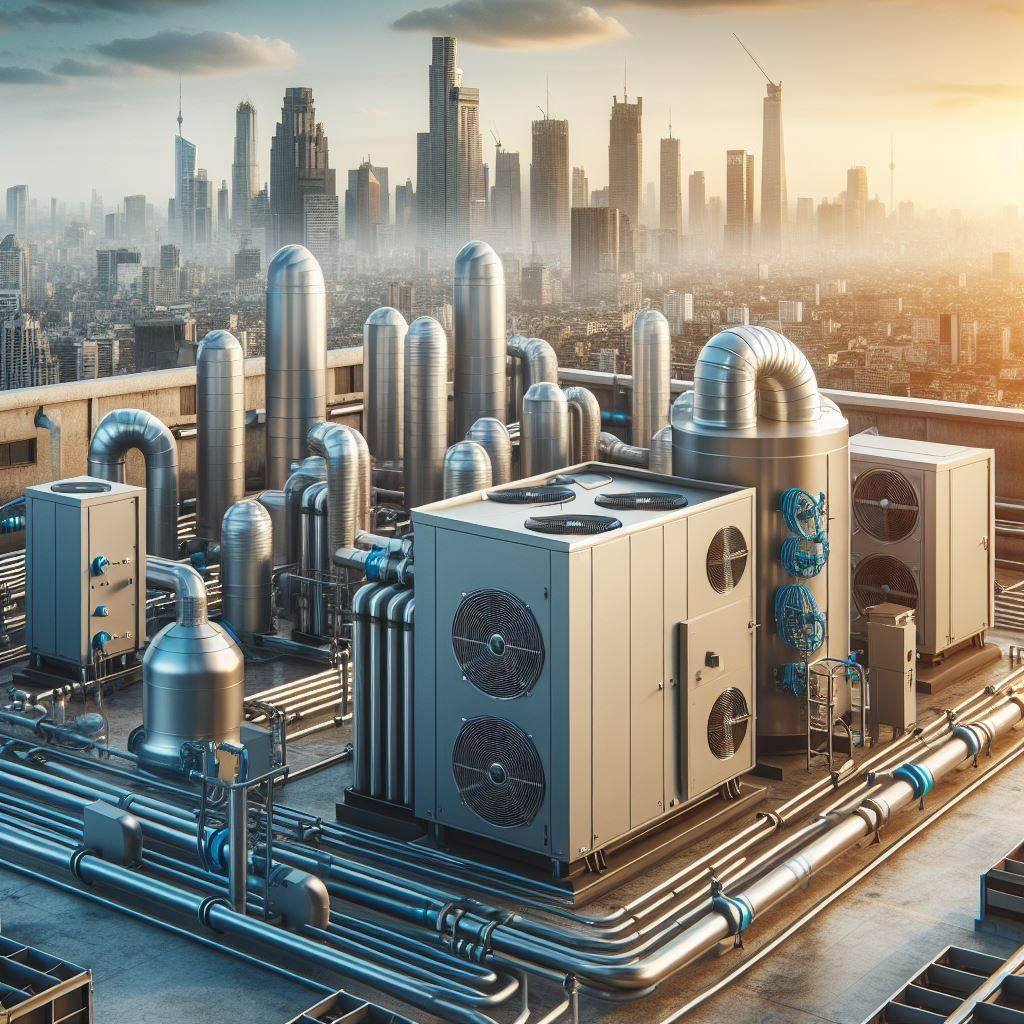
<point>892,661</point>
<point>85,558</point>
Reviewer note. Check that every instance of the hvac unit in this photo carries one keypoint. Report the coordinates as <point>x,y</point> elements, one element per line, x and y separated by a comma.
<point>584,656</point>
<point>924,535</point>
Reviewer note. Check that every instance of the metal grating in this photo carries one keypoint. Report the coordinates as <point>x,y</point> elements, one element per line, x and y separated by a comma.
<point>885,504</point>
<point>532,495</point>
<point>879,578</point>
<point>497,643</point>
<point>579,525</point>
<point>498,772</point>
<point>650,501</point>
<point>728,723</point>
<point>726,559</point>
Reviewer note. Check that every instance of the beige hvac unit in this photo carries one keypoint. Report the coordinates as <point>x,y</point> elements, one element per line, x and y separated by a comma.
<point>924,535</point>
<point>584,656</point>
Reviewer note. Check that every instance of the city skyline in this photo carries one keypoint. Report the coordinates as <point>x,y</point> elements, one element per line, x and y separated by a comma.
<point>715,92</point>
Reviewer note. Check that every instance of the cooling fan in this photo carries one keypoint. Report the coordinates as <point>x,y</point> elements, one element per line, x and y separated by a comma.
<point>498,772</point>
<point>497,643</point>
<point>885,504</point>
<point>726,559</point>
<point>728,723</point>
<point>879,578</point>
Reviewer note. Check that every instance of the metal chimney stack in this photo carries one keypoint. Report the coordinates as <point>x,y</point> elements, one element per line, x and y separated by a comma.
<point>652,372</point>
<point>426,411</point>
<point>383,383</point>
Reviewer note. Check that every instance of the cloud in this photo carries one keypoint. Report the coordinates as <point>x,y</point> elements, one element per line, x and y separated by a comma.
<point>962,95</point>
<point>71,68</point>
<point>38,14</point>
<point>12,74</point>
<point>516,24</point>
<point>200,53</point>
<point>701,6</point>
<point>69,12</point>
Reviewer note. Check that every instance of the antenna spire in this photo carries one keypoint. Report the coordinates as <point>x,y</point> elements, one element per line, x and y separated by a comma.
<point>547,97</point>
<point>180,118</point>
<point>625,82</point>
<point>670,122</point>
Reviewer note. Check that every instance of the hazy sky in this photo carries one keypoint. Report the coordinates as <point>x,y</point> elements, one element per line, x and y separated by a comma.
<point>88,88</point>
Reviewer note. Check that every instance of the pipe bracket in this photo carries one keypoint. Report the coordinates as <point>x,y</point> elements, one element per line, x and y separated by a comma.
<point>919,778</point>
<point>205,909</point>
<point>75,863</point>
<point>736,910</point>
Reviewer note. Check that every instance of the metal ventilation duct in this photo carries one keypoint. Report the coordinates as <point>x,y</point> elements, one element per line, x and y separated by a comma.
<point>492,435</point>
<point>467,468</point>
<point>652,372</point>
<point>533,361</point>
<point>660,459</point>
<point>339,445</point>
<point>544,441</point>
<point>310,471</point>
<point>246,568</point>
<point>479,309</point>
<point>383,382</point>
<point>365,514</point>
<point>614,450</point>
<point>296,364</point>
<point>120,431</point>
<point>220,419</point>
<point>426,411</point>
<point>585,422</point>
<point>274,503</point>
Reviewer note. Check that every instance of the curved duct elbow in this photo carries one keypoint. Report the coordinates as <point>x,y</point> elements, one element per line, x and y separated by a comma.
<point>467,468</point>
<point>493,436</point>
<point>544,430</point>
<point>384,382</point>
<point>652,373</point>
<point>246,568</point>
<point>220,419</point>
<point>614,450</point>
<point>426,411</point>
<point>185,583</point>
<point>120,431</point>
<point>533,362</point>
<point>745,373</point>
<point>660,458</point>
<point>341,451</point>
<point>585,421</point>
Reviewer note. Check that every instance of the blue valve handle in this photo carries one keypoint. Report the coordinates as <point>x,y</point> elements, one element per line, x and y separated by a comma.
<point>101,639</point>
<point>99,565</point>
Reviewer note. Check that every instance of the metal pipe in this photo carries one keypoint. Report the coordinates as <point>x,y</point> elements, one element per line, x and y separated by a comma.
<point>377,681</point>
<point>545,430</point>
<point>467,468</point>
<point>311,470</point>
<point>384,383</point>
<point>408,692</point>
<point>247,565</point>
<point>186,585</point>
<point>650,395</point>
<point>426,411</point>
<point>396,692</point>
<point>585,423</point>
<point>614,450</point>
<point>120,431</point>
<point>493,436</point>
<point>341,450</point>
<point>274,503</point>
<point>660,456</point>
<point>361,688</point>
<point>238,848</point>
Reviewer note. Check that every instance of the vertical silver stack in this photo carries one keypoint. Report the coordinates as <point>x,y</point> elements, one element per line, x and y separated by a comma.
<point>544,430</point>
<point>340,448</point>
<point>426,411</point>
<point>246,568</point>
<point>220,420</point>
<point>383,383</point>
<point>296,357</point>
<point>652,373</point>
<point>467,468</point>
<point>492,435</point>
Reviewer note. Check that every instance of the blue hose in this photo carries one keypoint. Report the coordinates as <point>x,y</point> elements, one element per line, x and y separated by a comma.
<point>805,515</point>
<point>12,524</point>
<point>798,620</point>
<point>793,678</point>
<point>804,558</point>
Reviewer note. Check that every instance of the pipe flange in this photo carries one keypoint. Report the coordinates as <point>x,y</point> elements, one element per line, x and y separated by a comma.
<point>75,863</point>
<point>772,817</point>
<point>206,907</point>
<point>880,808</point>
<point>970,737</point>
<point>870,817</point>
<point>441,924</point>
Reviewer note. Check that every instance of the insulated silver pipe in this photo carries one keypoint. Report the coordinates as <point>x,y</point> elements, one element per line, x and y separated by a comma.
<point>426,411</point>
<point>120,431</point>
<point>467,468</point>
<point>311,470</point>
<point>186,585</point>
<point>614,450</point>
<point>585,421</point>
<point>396,744</point>
<point>274,503</point>
<point>342,452</point>
<point>533,361</point>
<point>296,361</point>
<point>652,373</point>
<point>246,568</point>
<point>492,435</point>
<point>361,688</point>
<point>364,519</point>
<point>220,421</point>
<point>384,383</point>
<point>746,372</point>
<point>544,430</point>
<point>660,456</point>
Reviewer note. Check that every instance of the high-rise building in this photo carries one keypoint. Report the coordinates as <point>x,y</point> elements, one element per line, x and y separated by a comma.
<point>25,357</point>
<point>135,217</point>
<point>830,224</point>
<point>202,208</point>
<point>247,261</point>
<point>537,287</point>
<point>402,296</point>
<point>678,310</point>
<point>367,215</point>
<point>223,215</point>
<point>773,170</point>
<point>300,171</point>
<point>15,267</point>
<point>715,221</point>
<point>596,246</point>
<point>320,231</point>
<point>625,158</point>
<point>671,195</point>
<point>697,212</point>
<point>109,276</point>
<point>164,342</point>
<point>739,201</point>
<point>507,201</point>
<point>599,197</point>
<point>791,311</point>
<point>580,187</point>
<point>856,207</point>
<point>245,170</point>
<point>549,188</point>
<point>170,257</point>
<point>405,215</point>
<point>17,210</point>
<point>87,359</point>
<point>182,216</point>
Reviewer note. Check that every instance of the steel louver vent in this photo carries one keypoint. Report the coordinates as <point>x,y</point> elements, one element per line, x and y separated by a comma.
<point>885,504</point>
<point>726,559</point>
<point>650,501</point>
<point>728,723</point>
<point>879,578</point>
<point>498,772</point>
<point>567,525</point>
<point>532,495</point>
<point>497,643</point>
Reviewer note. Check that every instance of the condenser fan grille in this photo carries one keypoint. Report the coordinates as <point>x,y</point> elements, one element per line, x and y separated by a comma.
<point>532,495</point>
<point>880,578</point>
<point>497,643</point>
<point>653,501</point>
<point>579,525</point>
<point>498,772</point>
<point>885,504</point>
<point>728,723</point>
<point>726,559</point>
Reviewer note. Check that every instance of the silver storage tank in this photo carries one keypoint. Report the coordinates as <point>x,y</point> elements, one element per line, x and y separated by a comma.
<point>544,430</point>
<point>246,568</point>
<point>652,373</point>
<point>426,411</point>
<point>660,459</point>
<point>383,383</point>
<point>193,674</point>
<point>481,387</point>
<point>467,468</point>
<point>493,436</point>
<point>756,418</point>
<point>220,421</point>
<point>296,363</point>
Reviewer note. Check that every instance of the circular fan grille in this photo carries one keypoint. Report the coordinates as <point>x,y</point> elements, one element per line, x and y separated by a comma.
<point>532,495</point>
<point>727,559</point>
<point>885,504</point>
<point>727,723</point>
<point>497,643</point>
<point>654,501</point>
<point>582,525</point>
<point>881,578</point>
<point>498,771</point>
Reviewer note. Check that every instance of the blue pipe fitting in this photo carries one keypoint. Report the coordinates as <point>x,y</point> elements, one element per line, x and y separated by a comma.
<point>970,737</point>
<point>375,562</point>
<point>12,524</point>
<point>618,417</point>
<point>917,776</point>
<point>217,850</point>
<point>736,910</point>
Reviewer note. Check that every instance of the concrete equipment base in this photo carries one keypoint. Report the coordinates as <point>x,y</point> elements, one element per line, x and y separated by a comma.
<point>955,667</point>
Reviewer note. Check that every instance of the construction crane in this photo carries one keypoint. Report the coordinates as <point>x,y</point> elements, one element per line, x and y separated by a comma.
<point>494,135</point>
<point>757,63</point>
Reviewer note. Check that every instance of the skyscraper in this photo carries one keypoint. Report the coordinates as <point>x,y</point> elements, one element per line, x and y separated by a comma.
<point>580,187</point>
<point>739,201</point>
<point>300,172</point>
<point>549,188</point>
<point>135,217</point>
<point>507,200</point>
<point>671,197</point>
<point>367,213</point>
<point>202,208</point>
<point>856,205</point>
<point>245,170</point>
<point>773,170</point>
<point>25,357</point>
<point>697,211</point>
<point>625,158</point>
<point>15,267</point>
<point>222,208</point>
<point>17,210</point>
<point>596,247</point>
<point>184,183</point>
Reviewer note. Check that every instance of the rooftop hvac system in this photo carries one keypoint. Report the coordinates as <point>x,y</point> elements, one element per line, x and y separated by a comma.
<point>384,383</point>
<point>755,417</point>
<point>581,670</point>
<point>924,535</point>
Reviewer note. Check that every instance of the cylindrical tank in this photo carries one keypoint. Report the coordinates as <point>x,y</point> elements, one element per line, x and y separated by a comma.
<point>296,364</point>
<point>467,468</point>
<point>533,361</point>
<point>339,445</point>
<point>660,460</point>
<point>246,568</point>
<point>311,470</point>
<point>220,420</point>
<point>193,675</point>
<point>492,435</point>
<point>426,411</point>
<point>479,310</point>
<point>383,383</point>
<point>756,418</point>
<point>544,430</point>
<point>274,503</point>
<point>585,424</point>
<point>652,373</point>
